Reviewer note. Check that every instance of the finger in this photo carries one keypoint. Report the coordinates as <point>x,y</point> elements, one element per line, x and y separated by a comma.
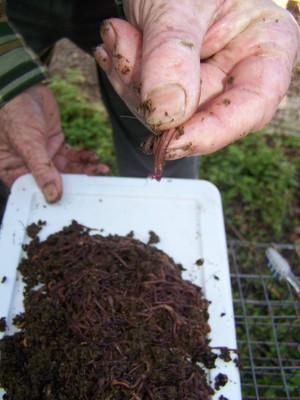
<point>67,167</point>
<point>263,17</point>
<point>33,151</point>
<point>9,161</point>
<point>78,155</point>
<point>69,160</point>
<point>248,103</point>
<point>172,38</point>
<point>9,175</point>
<point>120,58</point>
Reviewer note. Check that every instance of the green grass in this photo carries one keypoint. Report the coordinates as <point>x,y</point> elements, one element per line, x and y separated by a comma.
<point>259,181</point>
<point>85,124</point>
<point>258,177</point>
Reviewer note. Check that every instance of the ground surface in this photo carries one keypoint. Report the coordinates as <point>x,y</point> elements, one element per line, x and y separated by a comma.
<point>67,55</point>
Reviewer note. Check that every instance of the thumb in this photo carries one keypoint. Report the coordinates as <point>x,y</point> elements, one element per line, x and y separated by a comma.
<point>170,71</point>
<point>42,168</point>
<point>39,140</point>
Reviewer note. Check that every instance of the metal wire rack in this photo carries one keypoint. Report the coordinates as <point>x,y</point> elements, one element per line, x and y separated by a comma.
<point>267,317</point>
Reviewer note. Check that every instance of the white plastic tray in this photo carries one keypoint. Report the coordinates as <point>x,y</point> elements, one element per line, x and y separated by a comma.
<point>185,214</point>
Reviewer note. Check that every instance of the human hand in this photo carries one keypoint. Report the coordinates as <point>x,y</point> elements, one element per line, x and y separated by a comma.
<point>31,140</point>
<point>217,69</point>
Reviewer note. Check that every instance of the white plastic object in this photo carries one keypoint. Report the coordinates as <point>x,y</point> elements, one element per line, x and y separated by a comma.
<point>185,214</point>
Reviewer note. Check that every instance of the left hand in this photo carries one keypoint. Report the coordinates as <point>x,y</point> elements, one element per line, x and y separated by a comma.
<point>219,69</point>
<point>32,140</point>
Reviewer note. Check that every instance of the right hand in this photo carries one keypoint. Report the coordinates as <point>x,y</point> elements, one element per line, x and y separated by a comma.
<point>31,140</point>
<point>215,69</point>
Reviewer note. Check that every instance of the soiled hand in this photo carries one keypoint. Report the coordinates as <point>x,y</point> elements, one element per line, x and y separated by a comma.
<point>217,69</point>
<point>31,140</point>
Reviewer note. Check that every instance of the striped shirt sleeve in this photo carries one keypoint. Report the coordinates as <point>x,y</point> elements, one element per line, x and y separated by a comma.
<point>20,68</point>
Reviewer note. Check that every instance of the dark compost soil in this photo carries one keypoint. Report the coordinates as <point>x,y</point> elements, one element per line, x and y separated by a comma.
<point>106,318</point>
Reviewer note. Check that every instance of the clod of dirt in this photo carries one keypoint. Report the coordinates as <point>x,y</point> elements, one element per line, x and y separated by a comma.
<point>153,238</point>
<point>2,324</point>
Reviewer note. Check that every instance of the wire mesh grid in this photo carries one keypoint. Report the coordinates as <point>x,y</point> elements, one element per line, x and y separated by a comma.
<point>267,318</point>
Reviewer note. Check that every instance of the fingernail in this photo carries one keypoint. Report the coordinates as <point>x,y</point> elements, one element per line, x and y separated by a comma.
<point>51,193</point>
<point>167,104</point>
<point>103,58</point>
<point>108,35</point>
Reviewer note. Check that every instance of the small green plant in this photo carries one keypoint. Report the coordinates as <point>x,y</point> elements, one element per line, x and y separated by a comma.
<point>258,178</point>
<point>85,124</point>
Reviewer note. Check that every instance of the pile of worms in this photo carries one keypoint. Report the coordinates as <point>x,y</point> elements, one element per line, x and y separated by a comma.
<point>106,317</point>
